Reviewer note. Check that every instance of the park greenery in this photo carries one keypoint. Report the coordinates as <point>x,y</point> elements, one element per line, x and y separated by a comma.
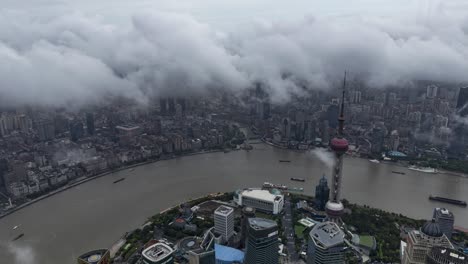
<point>367,222</point>
<point>161,221</point>
<point>384,226</point>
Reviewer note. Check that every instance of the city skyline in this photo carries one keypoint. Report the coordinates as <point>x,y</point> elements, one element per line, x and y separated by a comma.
<point>211,132</point>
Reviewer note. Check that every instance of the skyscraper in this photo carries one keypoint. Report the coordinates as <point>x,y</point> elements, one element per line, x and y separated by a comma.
<point>247,212</point>
<point>339,145</point>
<point>326,244</point>
<point>286,128</point>
<point>462,99</point>
<point>45,130</point>
<point>445,219</point>
<point>76,130</point>
<point>224,222</point>
<point>163,106</point>
<point>394,140</point>
<point>431,91</point>
<point>322,192</point>
<point>90,123</point>
<point>171,105</point>
<point>422,241</point>
<point>262,242</point>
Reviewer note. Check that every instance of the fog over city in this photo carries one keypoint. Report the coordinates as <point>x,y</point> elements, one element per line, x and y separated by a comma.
<point>78,57</point>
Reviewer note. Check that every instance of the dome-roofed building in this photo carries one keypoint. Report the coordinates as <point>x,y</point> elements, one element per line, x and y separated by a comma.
<point>421,242</point>
<point>432,228</point>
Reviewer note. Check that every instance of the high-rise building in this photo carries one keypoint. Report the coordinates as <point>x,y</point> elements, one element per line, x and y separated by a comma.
<point>247,212</point>
<point>322,193</point>
<point>163,106</point>
<point>158,253</point>
<point>356,97</point>
<point>446,219</point>
<point>45,130</point>
<point>441,255</point>
<point>24,123</point>
<point>128,134</point>
<point>462,100</point>
<point>99,256</point>
<point>262,242</point>
<point>90,123</point>
<point>394,140</point>
<point>339,145</point>
<point>431,91</point>
<point>420,242</point>
<point>326,244</point>
<point>286,128</point>
<point>171,105</point>
<point>76,130</point>
<point>377,140</point>
<point>332,114</point>
<point>224,222</point>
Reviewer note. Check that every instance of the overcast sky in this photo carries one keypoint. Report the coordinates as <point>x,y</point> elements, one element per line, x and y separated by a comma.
<point>232,12</point>
<point>62,52</point>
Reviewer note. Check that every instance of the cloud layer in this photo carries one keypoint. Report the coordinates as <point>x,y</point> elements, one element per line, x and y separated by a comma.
<point>75,59</point>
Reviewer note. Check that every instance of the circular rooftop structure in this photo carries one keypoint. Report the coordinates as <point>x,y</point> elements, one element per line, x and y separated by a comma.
<point>432,229</point>
<point>339,144</point>
<point>334,209</point>
<point>188,243</point>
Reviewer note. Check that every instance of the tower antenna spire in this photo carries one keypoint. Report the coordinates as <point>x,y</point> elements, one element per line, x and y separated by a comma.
<point>339,145</point>
<point>341,118</point>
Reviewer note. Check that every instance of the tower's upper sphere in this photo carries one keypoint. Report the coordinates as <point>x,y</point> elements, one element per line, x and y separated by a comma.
<point>339,144</point>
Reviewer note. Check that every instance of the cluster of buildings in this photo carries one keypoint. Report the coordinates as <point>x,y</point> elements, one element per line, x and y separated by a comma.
<point>424,121</point>
<point>44,150</point>
<point>432,243</point>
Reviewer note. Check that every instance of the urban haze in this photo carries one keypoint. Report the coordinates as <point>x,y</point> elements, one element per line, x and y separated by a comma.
<point>248,132</point>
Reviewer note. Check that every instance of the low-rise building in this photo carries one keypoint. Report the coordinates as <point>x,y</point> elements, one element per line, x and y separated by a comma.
<point>262,200</point>
<point>158,253</point>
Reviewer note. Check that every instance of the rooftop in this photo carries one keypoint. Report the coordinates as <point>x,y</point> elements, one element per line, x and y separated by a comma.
<point>224,210</point>
<point>127,127</point>
<point>261,223</point>
<point>394,153</point>
<point>157,252</point>
<point>327,234</point>
<point>258,194</point>
<point>228,254</point>
<point>444,212</point>
<point>93,257</point>
<point>450,255</point>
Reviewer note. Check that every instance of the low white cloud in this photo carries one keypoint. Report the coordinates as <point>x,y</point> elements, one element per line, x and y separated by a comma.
<point>325,156</point>
<point>76,59</point>
<point>20,254</point>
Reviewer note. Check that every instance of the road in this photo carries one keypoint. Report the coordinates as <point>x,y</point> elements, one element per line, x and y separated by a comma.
<point>289,231</point>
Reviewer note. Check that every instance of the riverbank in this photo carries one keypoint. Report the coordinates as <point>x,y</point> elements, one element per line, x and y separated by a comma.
<point>404,165</point>
<point>87,179</point>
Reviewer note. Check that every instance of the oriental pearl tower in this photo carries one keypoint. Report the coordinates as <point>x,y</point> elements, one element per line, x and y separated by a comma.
<point>339,145</point>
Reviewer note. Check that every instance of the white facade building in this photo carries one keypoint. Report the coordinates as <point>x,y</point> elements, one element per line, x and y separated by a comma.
<point>224,222</point>
<point>262,200</point>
